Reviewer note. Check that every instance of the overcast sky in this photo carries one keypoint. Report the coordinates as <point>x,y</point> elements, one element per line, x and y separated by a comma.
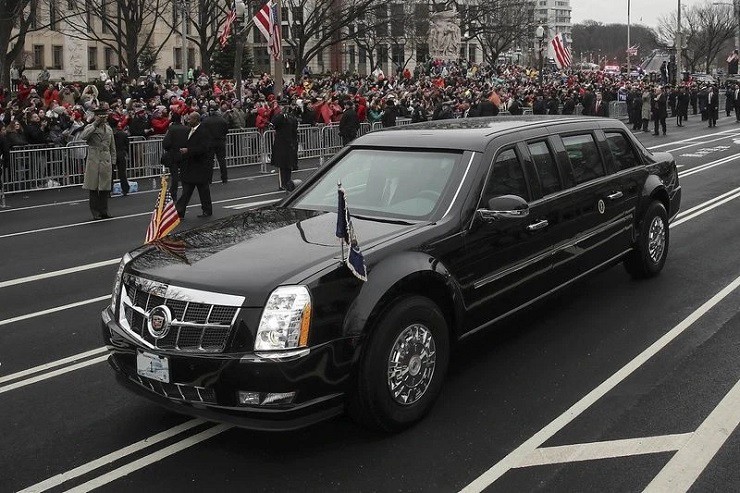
<point>615,11</point>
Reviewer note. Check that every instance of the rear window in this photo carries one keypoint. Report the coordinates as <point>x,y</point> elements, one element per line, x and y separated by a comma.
<point>584,157</point>
<point>624,154</point>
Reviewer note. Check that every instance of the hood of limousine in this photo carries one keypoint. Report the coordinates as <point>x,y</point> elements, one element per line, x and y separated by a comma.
<point>251,253</point>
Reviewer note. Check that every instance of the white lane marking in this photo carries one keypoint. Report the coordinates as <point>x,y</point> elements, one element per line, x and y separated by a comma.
<point>84,201</point>
<point>704,210</point>
<point>52,374</point>
<point>249,204</point>
<point>150,459</point>
<point>690,461</point>
<point>605,450</point>
<point>53,310</point>
<point>113,456</point>
<point>56,273</point>
<point>53,364</point>
<point>692,139</point>
<point>712,164</point>
<point>707,203</point>
<point>515,457</point>
<point>129,216</point>
<point>732,136</point>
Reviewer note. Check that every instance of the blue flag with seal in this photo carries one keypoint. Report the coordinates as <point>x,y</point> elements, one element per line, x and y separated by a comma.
<point>354,260</point>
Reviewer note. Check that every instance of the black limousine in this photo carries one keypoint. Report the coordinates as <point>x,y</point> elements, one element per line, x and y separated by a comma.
<point>256,320</point>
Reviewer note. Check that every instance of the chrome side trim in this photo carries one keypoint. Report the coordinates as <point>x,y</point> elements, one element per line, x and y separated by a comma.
<point>512,269</point>
<point>548,293</point>
<point>459,187</point>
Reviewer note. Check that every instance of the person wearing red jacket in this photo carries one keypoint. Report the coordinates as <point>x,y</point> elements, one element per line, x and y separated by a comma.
<point>361,109</point>
<point>51,94</point>
<point>160,122</point>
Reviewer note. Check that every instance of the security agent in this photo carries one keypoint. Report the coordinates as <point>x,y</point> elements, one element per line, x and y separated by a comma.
<point>217,127</point>
<point>285,148</point>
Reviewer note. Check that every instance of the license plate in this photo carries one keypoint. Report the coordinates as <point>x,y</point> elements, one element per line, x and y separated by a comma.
<point>153,366</point>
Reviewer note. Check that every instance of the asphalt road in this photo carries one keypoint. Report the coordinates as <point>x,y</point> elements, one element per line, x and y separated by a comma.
<point>615,385</point>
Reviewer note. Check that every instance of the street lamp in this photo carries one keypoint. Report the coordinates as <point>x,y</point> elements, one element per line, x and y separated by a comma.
<point>540,35</point>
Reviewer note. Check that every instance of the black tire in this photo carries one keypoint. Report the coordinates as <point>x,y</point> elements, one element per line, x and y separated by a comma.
<point>643,263</point>
<point>371,402</point>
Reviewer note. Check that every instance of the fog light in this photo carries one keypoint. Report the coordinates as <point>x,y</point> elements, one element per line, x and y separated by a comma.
<point>249,398</point>
<point>278,398</point>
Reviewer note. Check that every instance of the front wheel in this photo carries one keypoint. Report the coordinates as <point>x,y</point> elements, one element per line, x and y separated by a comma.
<point>651,249</point>
<point>403,368</point>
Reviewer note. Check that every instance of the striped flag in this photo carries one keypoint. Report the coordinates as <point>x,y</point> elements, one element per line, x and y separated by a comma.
<point>223,38</point>
<point>266,21</point>
<point>164,218</point>
<point>355,261</point>
<point>560,52</point>
<point>632,50</point>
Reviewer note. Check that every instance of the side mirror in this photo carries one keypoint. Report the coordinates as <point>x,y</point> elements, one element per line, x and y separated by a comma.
<point>504,207</point>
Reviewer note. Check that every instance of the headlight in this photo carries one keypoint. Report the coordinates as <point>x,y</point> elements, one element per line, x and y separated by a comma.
<point>285,320</point>
<point>117,281</point>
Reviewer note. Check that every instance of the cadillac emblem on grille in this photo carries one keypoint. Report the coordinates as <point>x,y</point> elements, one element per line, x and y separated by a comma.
<point>159,320</point>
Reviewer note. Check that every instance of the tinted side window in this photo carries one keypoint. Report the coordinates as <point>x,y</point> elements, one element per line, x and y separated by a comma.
<point>624,154</point>
<point>584,157</point>
<point>507,177</point>
<point>546,168</point>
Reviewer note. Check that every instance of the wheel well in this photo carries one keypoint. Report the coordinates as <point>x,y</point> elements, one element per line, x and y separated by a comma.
<point>662,196</point>
<point>425,284</point>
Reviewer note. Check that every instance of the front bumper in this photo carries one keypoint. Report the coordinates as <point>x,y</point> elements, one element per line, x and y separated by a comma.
<point>207,385</point>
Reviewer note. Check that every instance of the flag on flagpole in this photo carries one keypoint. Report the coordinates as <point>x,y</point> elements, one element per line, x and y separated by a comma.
<point>632,50</point>
<point>355,262</point>
<point>560,52</point>
<point>165,217</point>
<point>266,21</point>
<point>223,38</point>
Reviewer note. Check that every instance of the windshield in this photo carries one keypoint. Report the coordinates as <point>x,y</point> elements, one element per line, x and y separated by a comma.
<point>384,183</point>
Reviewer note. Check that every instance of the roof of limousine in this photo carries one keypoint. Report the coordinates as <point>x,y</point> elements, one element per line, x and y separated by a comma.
<point>471,134</point>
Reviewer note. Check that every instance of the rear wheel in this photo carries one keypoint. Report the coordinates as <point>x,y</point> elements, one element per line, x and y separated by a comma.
<point>403,367</point>
<point>651,249</point>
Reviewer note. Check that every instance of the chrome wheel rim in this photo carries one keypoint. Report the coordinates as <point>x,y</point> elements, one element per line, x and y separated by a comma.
<point>411,364</point>
<point>656,239</point>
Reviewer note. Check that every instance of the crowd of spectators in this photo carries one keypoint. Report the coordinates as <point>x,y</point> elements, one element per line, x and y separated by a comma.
<point>52,112</point>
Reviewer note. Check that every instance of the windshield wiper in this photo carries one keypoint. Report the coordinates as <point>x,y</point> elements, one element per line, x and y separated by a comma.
<point>385,220</point>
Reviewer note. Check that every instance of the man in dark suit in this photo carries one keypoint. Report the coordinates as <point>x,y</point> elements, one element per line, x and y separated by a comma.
<point>285,148</point>
<point>175,139</point>
<point>218,127</point>
<point>601,108</point>
<point>349,124</point>
<point>197,167</point>
<point>660,110</point>
<point>712,106</point>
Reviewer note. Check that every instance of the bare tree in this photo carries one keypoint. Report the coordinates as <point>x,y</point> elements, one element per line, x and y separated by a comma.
<point>705,28</point>
<point>320,24</point>
<point>18,18</point>
<point>127,27</point>
<point>205,18</point>
<point>499,25</point>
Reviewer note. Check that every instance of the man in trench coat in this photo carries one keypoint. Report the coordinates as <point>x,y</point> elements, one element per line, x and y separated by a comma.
<point>101,154</point>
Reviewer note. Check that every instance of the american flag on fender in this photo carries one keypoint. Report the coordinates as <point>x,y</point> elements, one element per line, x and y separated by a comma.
<point>560,52</point>
<point>266,21</point>
<point>172,247</point>
<point>164,218</point>
<point>355,261</point>
<point>223,38</point>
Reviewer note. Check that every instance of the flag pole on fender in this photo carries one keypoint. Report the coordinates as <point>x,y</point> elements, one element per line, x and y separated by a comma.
<point>354,261</point>
<point>164,218</point>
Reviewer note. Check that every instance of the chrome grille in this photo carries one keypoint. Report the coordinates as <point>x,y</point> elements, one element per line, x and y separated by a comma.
<point>196,326</point>
<point>177,391</point>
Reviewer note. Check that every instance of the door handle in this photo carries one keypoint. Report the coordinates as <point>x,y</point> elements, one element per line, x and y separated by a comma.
<point>615,196</point>
<point>538,225</point>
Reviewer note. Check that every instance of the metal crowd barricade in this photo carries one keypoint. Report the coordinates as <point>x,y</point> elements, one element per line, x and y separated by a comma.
<point>331,142</point>
<point>244,148</point>
<point>42,166</point>
<point>144,158</point>
<point>268,141</point>
<point>365,128</point>
<point>310,143</point>
<point>618,110</point>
